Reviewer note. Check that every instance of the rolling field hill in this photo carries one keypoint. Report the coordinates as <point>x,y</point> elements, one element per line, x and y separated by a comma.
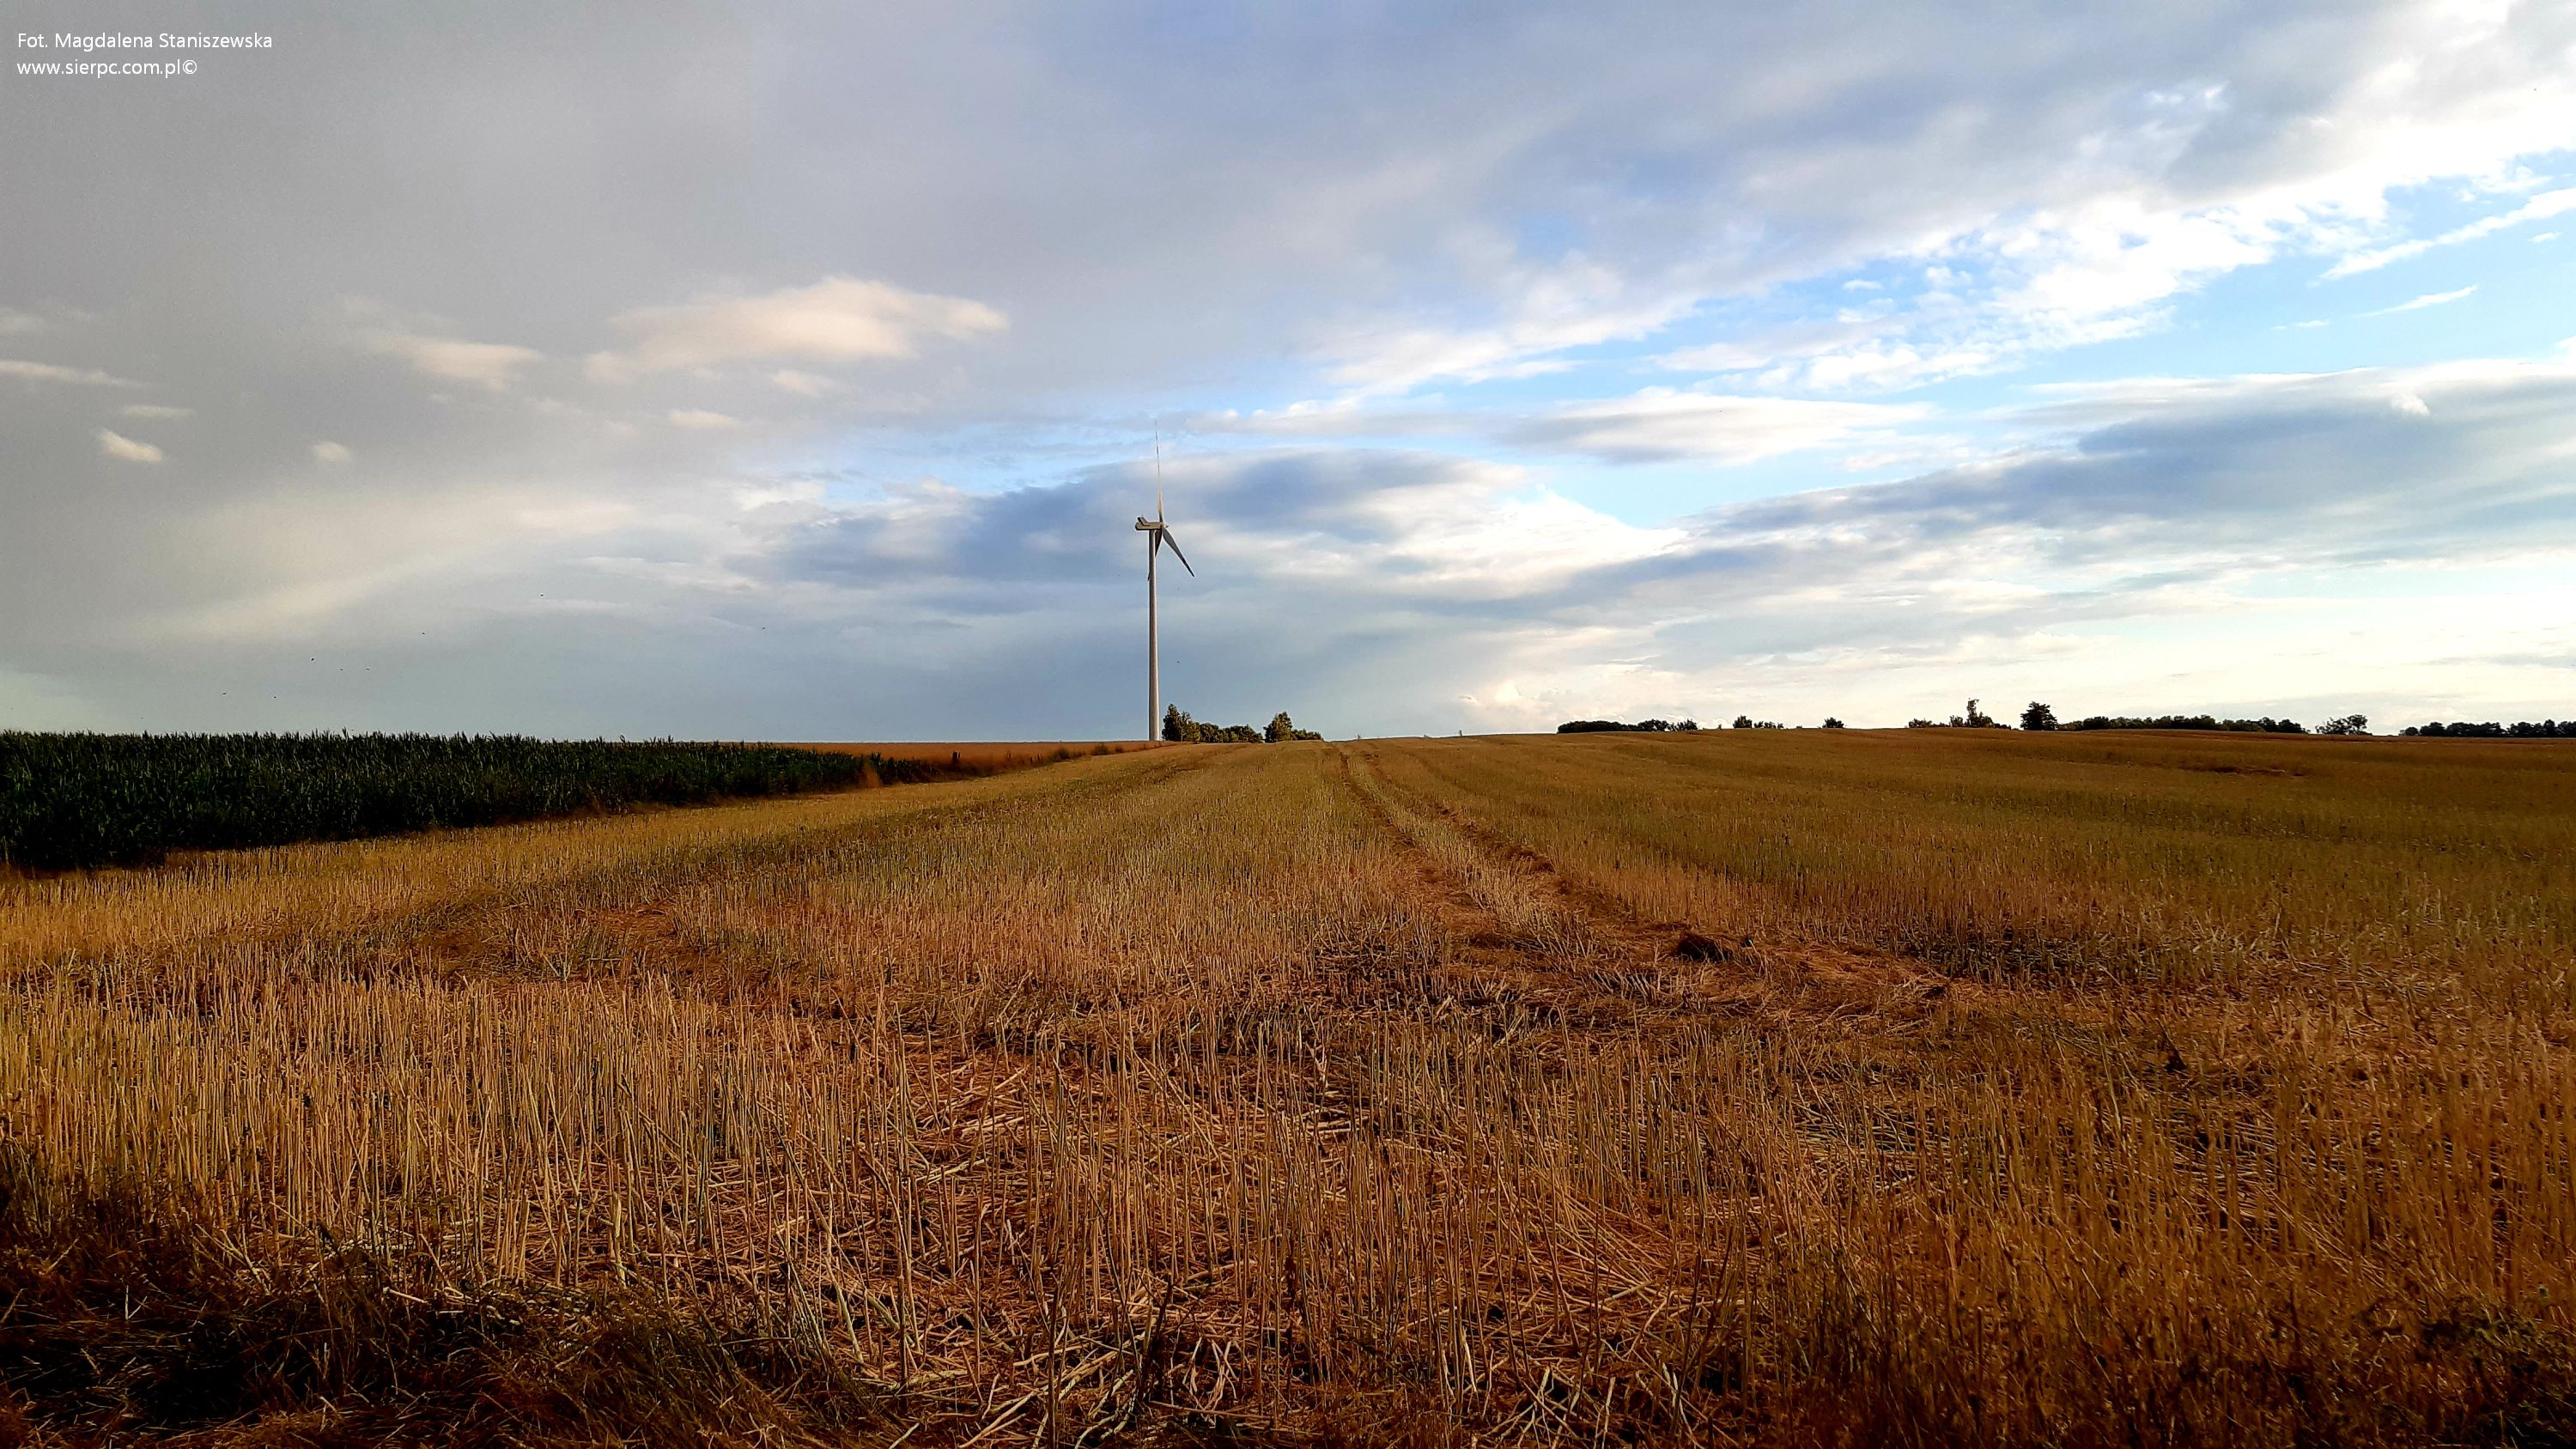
<point>1853,1087</point>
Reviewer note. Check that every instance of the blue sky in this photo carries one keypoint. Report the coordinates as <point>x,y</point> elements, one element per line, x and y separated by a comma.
<point>793,371</point>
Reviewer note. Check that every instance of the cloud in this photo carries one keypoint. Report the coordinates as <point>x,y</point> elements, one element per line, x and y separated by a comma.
<point>1554,309</point>
<point>1438,531</point>
<point>803,384</point>
<point>2429,299</point>
<point>2547,204</point>
<point>327,451</point>
<point>2249,473</point>
<point>839,319</point>
<point>2246,474</point>
<point>158,412</point>
<point>50,372</point>
<point>1655,425</point>
<point>701,420</point>
<point>117,445</point>
<point>14,323</point>
<point>1662,425</point>
<point>486,364</point>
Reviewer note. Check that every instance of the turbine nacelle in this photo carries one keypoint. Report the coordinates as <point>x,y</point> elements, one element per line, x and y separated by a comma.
<point>1160,539</point>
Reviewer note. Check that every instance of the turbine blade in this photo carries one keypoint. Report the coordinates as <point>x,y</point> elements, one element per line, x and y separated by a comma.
<point>1165,535</point>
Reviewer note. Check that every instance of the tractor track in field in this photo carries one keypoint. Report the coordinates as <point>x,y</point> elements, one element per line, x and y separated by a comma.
<point>1525,947</point>
<point>1598,960</point>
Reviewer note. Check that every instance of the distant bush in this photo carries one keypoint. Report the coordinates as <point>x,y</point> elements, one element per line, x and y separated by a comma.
<point>2264,725</point>
<point>1832,723</point>
<point>2548,729</point>
<point>2346,724</point>
<point>2038,717</point>
<point>1612,726</point>
<point>71,801</point>
<point>1748,722</point>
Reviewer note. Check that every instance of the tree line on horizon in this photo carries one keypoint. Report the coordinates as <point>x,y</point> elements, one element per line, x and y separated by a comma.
<point>1180,728</point>
<point>1612,726</point>
<point>2039,716</point>
<point>2521,729</point>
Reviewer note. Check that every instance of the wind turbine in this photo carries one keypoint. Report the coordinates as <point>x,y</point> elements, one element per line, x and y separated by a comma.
<point>1157,538</point>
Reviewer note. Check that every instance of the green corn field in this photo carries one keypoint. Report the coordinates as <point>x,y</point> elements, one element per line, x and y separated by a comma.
<point>69,801</point>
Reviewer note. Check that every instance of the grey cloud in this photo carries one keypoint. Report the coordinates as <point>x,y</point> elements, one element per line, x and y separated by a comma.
<point>2311,470</point>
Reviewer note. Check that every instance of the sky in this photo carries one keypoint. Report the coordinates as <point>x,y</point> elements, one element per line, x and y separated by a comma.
<point>796,372</point>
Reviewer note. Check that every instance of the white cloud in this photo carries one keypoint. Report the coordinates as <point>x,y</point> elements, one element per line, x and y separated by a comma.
<point>1552,310</point>
<point>701,419</point>
<point>50,372</point>
<point>2429,299</point>
<point>117,445</point>
<point>803,384</point>
<point>2547,204</point>
<point>1665,425</point>
<point>839,319</point>
<point>14,323</point>
<point>1655,425</point>
<point>488,364</point>
<point>159,412</point>
<point>327,451</point>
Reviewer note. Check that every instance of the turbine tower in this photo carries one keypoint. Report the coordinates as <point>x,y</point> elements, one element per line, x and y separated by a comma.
<point>1157,538</point>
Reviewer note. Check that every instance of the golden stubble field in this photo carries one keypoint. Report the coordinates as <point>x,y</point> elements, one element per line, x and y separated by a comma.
<point>1930,1086</point>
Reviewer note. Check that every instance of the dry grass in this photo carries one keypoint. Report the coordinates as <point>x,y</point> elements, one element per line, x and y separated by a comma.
<point>2011,1089</point>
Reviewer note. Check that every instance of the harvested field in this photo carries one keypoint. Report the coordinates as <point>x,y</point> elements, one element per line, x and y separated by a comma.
<point>1930,1087</point>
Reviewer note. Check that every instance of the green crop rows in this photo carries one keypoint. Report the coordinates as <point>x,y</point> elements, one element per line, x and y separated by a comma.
<point>77,800</point>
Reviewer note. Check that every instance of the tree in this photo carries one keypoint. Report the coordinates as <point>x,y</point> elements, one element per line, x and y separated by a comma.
<point>2346,724</point>
<point>1282,729</point>
<point>1177,724</point>
<point>1832,723</point>
<point>1742,722</point>
<point>2038,717</point>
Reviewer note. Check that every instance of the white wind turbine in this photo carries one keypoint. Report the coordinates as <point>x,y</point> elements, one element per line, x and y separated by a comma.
<point>1157,538</point>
